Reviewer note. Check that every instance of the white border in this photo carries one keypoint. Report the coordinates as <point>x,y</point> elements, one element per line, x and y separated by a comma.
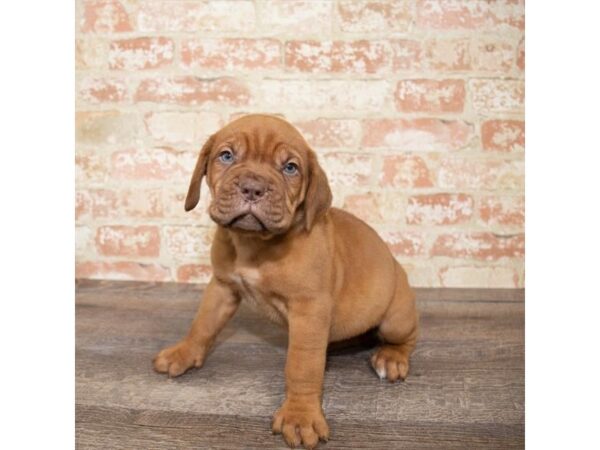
<point>563,226</point>
<point>37,225</point>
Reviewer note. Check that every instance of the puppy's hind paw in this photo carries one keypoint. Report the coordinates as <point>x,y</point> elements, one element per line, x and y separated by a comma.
<point>390,362</point>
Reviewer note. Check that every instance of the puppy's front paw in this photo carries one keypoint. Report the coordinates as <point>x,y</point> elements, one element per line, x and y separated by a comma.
<point>179,358</point>
<point>391,362</point>
<point>301,423</point>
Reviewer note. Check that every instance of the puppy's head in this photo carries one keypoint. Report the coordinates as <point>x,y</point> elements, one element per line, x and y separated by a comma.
<point>263,177</point>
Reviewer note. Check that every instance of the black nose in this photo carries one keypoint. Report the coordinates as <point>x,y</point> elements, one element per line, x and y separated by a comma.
<point>252,189</point>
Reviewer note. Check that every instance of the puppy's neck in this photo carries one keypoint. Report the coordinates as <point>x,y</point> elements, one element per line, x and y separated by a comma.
<point>258,246</point>
<point>258,240</point>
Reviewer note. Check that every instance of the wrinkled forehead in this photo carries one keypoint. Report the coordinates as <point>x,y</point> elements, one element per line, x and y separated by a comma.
<point>262,135</point>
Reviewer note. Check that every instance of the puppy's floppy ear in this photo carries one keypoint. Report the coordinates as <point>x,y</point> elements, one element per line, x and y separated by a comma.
<point>318,194</point>
<point>193,195</point>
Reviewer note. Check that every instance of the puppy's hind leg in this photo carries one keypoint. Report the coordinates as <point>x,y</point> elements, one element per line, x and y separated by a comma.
<point>398,332</point>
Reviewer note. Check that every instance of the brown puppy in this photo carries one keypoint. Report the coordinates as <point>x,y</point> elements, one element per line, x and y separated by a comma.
<point>318,270</point>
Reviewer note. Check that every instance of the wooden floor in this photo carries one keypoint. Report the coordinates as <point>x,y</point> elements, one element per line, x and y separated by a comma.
<point>465,388</point>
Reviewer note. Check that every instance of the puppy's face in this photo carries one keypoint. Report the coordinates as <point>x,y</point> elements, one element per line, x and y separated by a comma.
<point>263,177</point>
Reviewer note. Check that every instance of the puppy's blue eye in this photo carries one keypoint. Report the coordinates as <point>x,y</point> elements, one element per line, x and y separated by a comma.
<point>290,168</point>
<point>226,157</point>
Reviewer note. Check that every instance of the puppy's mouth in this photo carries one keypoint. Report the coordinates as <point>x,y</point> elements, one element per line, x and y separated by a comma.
<point>247,222</point>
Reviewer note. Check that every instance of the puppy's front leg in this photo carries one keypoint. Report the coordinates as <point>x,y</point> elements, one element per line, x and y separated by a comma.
<point>300,419</point>
<point>217,307</point>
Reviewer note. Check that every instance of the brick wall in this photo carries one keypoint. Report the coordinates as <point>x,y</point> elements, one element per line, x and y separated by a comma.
<point>414,107</point>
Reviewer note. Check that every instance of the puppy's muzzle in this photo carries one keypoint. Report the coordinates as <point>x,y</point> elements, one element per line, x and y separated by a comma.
<point>252,189</point>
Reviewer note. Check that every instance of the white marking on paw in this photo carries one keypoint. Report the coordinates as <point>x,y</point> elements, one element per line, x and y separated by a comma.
<point>381,373</point>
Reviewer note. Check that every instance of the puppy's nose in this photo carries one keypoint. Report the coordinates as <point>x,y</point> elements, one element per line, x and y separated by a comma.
<point>252,190</point>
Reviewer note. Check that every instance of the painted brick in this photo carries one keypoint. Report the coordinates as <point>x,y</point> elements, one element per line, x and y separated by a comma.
<point>141,203</point>
<point>365,206</point>
<point>141,53</point>
<point>433,96</point>
<point>407,54</point>
<point>419,274</point>
<point>493,55</point>
<point>122,240</point>
<point>128,271</point>
<point>153,82</point>
<point>196,16</point>
<point>91,53</point>
<point>90,167</point>
<point>462,173</point>
<point>439,209</point>
<point>91,204</point>
<point>480,245</point>
<point>186,243</point>
<point>405,171</point>
<point>174,200</point>
<point>392,205</point>
<point>292,18</point>
<point>103,90</point>
<point>174,127</point>
<point>404,243</point>
<point>376,207</point>
<point>194,273</point>
<point>521,55</point>
<point>347,169</point>
<point>477,276</point>
<point>481,15</point>
<point>503,135</point>
<point>374,16</point>
<point>497,96</point>
<point>231,54</point>
<point>327,133</point>
<point>84,242</point>
<point>338,192</point>
<point>94,203</point>
<point>190,90</point>
<point>152,164</point>
<point>477,54</point>
<point>337,56</point>
<point>104,16</point>
<point>416,134</point>
<point>367,95</point>
<point>502,211</point>
<point>447,55</point>
<point>107,127</point>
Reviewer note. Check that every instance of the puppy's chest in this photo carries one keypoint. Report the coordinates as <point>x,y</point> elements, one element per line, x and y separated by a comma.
<point>251,286</point>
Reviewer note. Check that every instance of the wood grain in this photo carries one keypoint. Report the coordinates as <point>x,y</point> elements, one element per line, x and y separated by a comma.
<point>465,390</point>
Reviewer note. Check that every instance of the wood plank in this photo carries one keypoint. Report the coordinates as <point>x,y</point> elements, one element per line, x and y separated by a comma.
<point>121,428</point>
<point>124,318</point>
<point>466,387</point>
<point>462,385</point>
<point>470,295</point>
